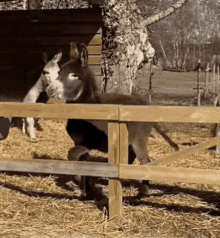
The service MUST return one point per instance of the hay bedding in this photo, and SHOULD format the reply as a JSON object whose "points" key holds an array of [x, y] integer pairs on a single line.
{"points": [[40, 205]]}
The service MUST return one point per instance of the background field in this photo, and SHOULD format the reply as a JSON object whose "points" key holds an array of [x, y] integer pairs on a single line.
{"points": [[50, 206]]}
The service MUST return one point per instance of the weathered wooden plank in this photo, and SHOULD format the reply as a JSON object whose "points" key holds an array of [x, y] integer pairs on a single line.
{"points": [[96, 69], [7, 50], [31, 58], [78, 111], [94, 49], [170, 114], [184, 114], [56, 16], [94, 59], [6, 59], [57, 29], [179, 155], [89, 39], [115, 186], [184, 175], [7, 30], [61, 167]]}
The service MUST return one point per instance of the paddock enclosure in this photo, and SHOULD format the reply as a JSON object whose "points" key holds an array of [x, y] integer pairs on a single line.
{"points": [[26, 34], [184, 199], [195, 200]]}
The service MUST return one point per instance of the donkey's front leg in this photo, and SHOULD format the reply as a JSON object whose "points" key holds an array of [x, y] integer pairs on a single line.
{"points": [[140, 147], [30, 122], [80, 153]]}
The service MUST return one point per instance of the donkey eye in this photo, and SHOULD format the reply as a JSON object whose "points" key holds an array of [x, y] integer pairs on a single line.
{"points": [[73, 76], [45, 72]]}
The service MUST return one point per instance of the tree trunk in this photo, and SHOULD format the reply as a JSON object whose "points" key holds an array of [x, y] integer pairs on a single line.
{"points": [[164, 54], [123, 21], [177, 55], [194, 54], [185, 58]]}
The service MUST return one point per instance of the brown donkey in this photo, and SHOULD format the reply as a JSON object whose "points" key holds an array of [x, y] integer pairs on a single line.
{"points": [[76, 84]]}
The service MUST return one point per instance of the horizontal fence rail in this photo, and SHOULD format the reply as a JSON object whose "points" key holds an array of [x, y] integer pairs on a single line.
{"points": [[117, 167], [60, 110], [112, 112], [167, 174], [61, 167], [170, 114]]}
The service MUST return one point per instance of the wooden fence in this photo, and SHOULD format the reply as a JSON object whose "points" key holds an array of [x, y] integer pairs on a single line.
{"points": [[118, 168], [211, 83]]}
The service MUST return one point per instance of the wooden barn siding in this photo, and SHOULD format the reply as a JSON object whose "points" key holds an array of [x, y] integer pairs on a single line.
{"points": [[25, 34]]}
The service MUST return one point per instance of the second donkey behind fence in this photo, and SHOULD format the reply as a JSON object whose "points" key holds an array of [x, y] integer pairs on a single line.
{"points": [[50, 73]]}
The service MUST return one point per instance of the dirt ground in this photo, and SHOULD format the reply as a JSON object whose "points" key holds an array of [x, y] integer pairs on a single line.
{"points": [[38, 205]]}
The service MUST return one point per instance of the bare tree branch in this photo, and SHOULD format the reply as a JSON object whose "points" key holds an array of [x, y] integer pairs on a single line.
{"points": [[161, 15]]}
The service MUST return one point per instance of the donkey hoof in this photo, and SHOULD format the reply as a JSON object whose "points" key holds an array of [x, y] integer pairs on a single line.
{"points": [[143, 191], [85, 197], [177, 148]]}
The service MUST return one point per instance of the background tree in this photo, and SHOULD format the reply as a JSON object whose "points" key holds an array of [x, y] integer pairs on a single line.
{"points": [[127, 37], [186, 34]]}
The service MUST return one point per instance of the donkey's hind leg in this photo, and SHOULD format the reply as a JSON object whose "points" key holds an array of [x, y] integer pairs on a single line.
{"points": [[30, 122]]}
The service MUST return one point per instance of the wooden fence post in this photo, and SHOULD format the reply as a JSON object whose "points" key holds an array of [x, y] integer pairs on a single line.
{"points": [[118, 154], [217, 104], [206, 86], [150, 82], [115, 187], [198, 84], [213, 79], [217, 78]]}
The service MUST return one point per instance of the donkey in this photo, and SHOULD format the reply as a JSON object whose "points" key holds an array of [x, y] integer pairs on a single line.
{"points": [[76, 84], [49, 74]]}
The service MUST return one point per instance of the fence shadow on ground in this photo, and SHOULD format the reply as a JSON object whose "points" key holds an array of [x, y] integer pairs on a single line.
{"points": [[101, 198]]}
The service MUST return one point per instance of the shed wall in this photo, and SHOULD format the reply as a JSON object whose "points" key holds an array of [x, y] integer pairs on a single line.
{"points": [[24, 35]]}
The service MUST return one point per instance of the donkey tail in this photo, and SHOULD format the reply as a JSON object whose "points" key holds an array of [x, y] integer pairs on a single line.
{"points": [[163, 134]]}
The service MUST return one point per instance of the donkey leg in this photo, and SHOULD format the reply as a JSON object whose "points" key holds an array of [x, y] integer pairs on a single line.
{"points": [[143, 190], [80, 153], [30, 121], [140, 147], [24, 125], [38, 124], [5, 124]]}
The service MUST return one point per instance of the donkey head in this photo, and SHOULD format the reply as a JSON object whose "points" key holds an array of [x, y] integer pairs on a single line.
{"points": [[75, 82], [51, 69]]}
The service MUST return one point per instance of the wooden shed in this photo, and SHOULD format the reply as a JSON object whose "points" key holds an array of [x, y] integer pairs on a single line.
{"points": [[24, 35]]}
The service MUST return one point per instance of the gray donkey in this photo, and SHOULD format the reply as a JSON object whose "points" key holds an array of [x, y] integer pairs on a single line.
{"points": [[76, 84]]}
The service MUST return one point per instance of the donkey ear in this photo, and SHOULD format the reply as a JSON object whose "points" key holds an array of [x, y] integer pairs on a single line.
{"points": [[57, 57], [83, 55], [44, 57], [74, 53]]}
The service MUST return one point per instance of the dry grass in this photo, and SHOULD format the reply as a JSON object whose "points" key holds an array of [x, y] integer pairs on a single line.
{"points": [[39, 205]]}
